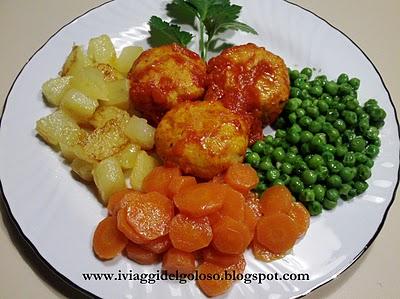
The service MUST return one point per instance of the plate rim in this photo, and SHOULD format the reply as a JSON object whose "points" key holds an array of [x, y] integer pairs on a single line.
{"points": [[85, 292]]}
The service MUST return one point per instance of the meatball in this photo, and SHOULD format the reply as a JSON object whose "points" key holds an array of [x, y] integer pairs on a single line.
{"points": [[202, 138], [163, 77], [251, 81]]}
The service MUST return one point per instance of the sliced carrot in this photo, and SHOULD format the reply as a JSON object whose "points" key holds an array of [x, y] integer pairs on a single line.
{"points": [[230, 236], [159, 178], [233, 205], [277, 232], [253, 202], [301, 217], [178, 183], [141, 255], [158, 245], [175, 260], [190, 234], [241, 177], [126, 229], [212, 287], [214, 217], [224, 260], [276, 199], [238, 267], [108, 241], [263, 254], [200, 200], [219, 178], [120, 199], [250, 219], [151, 216]]}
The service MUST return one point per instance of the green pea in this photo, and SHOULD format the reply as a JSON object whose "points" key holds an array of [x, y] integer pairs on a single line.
{"points": [[293, 104], [371, 102], [343, 78], [294, 74], [269, 139], [319, 192], [369, 163], [315, 161], [348, 135], [358, 144], [295, 92], [277, 142], [316, 90], [315, 126], [334, 166], [298, 82], [376, 142], [340, 107], [261, 176], [290, 158], [378, 124], [341, 150], [333, 135], [295, 128], [340, 125], [285, 178], [309, 177], [332, 194], [305, 149], [363, 125], [286, 168], [312, 111], [372, 151], [306, 136], [363, 172], [344, 190], [292, 117], [307, 195], [278, 182], [328, 157], [299, 167], [265, 164], [360, 158], [360, 186], [355, 83], [377, 114], [332, 115], [268, 149], [306, 103], [329, 204], [334, 181], [305, 121], [293, 149], [323, 107], [261, 187], [293, 137], [318, 143], [352, 104], [280, 133], [321, 119], [372, 133], [258, 147], [272, 174], [321, 78], [345, 89], [322, 173], [300, 113], [280, 123], [349, 159], [314, 208], [253, 159], [307, 71], [331, 88], [296, 185], [350, 117], [348, 173], [278, 154]]}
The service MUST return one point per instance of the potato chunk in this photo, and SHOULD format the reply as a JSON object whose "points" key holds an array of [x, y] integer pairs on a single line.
{"points": [[143, 165], [127, 157], [76, 61], [58, 127], [90, 81], [54, 89], [101, 49], [83, 169], [79, 106], [117, 94], [109, 178], [109, 73], [104, 114], [127, 58], [140, 132]]}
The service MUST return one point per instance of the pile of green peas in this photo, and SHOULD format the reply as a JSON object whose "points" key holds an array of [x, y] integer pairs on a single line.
{"points": [[325, 142]]}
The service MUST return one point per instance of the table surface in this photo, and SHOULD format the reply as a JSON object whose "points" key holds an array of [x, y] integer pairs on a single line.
{"points": [[373, 25]]}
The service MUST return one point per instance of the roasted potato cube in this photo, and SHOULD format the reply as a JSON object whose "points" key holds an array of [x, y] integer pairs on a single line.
{"points": [[78, 105], [83, 169], [90, 81], [109, 73], [140, 132], [117, 94], [54, 89], [76, 61], [127, 58], [58, 127], [109, 178], [127, 157], [143, 165], [104, 114], [101, 50], [67, 151]]}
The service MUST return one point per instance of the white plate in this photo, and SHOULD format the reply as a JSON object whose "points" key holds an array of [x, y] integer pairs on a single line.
{"points": [[57, 215]]}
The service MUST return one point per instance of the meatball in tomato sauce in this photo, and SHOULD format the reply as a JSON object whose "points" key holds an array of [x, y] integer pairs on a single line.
{"points": [[163, 77], [251, 81], [202, 138]]}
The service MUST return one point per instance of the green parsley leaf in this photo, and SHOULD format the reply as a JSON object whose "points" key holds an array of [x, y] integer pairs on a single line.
{"points": [[162, 33]]}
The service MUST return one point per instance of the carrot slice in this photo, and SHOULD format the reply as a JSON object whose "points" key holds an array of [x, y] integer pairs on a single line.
{"points": [[241, 177], [250, 219], [158, 245], [151, 216], [277, 232], [178, 183], [301, 217], [276, 199], [126, 229], [120, 199], [230, 236], [141, 255], [214, 217], [108, 241], [201, 199], [159, 178], [190, 234], [212, 287], [233, 205], [176, 260], [224, 260], [263, 254]]}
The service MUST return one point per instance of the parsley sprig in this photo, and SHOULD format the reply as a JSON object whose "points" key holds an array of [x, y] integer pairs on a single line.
{"points": [[213, 17]]}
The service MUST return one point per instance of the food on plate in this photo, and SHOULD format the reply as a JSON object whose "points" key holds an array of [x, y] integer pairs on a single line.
{"points": [[202, 138], [325, 143], [205, 226], [163, 77], [251, 81]]}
